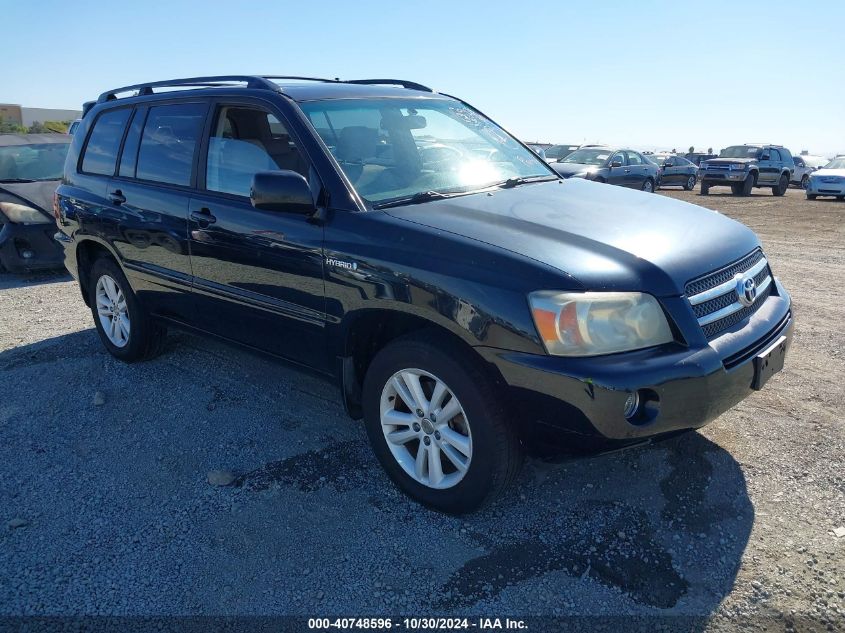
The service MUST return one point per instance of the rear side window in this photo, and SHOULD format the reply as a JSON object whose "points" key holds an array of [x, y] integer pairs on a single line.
{"points": [[104, 142], [169, 142]]}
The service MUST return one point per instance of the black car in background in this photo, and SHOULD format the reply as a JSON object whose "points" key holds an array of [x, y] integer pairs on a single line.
{"points": [[31, 166], [468, 308], [615, 166], [675, 171]]}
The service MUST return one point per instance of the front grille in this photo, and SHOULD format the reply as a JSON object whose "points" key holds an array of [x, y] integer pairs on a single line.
{"points": [[715, 300]]}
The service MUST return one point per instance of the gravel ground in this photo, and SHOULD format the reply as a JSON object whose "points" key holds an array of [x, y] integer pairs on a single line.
{"points": [[106, 505]]}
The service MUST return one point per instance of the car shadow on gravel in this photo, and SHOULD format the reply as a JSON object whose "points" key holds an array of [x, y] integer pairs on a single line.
{"points": [[9, 281]]}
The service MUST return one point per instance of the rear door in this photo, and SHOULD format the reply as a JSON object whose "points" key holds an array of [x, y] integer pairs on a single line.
{"points": [[769, 166], [258, 275], [637, 170], [150, 195]]}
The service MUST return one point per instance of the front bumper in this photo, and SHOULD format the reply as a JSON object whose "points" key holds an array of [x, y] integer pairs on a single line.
{"points": [[29, 247], [819, 188], [722, 177], [688, 387]]}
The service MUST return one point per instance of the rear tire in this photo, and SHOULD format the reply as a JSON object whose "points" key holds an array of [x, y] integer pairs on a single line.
{"points": [[112, 300], [648, 185], [690, 183], [782, 186], [482, 426]]}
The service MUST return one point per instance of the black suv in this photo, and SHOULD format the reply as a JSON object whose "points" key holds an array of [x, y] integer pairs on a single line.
{"points": [[743, 167], [469, 302]]}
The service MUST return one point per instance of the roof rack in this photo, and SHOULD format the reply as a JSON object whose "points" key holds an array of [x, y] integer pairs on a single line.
{"points": [[410, 85], [251, 81]]}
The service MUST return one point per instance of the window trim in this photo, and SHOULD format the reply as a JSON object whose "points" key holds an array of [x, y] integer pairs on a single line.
{"points": [[93, 125], [218, 103]]}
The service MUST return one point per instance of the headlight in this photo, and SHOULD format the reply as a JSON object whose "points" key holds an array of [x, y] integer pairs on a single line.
{"points": [[593, 323], [22, 214], [739, 166]]}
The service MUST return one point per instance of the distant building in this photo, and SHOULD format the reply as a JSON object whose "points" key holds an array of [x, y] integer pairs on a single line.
{"points": [[14, 113]]}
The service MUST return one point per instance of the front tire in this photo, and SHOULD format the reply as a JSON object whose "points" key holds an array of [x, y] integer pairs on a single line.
{"points": [[705, 189], [747, 185], [805, 182], [125, 329], [438, 426], [690, 183], [782, 186], [811, 196]]}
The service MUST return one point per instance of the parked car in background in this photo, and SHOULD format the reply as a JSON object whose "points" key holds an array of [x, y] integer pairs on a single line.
{"points": [[805, 165], [466, 311], [616, 166], [674, 171], [744, 167], [696, 158], [559, 152], [828, 181], [540, 150], [31, 166]]}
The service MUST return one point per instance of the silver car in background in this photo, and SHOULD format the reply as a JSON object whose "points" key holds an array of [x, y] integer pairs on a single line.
{"points": [[806, 164], [828, 181]]}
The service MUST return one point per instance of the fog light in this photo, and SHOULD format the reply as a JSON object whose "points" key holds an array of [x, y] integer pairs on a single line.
{"points": [[632, 405]]}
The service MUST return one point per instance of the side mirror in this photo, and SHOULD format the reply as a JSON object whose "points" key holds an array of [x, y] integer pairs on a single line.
{"points": [[668, 163], [282, 190], [616, 163]]}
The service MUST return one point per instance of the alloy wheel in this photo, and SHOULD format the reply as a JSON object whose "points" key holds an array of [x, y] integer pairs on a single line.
{"points": [[112, 311], [425, 428]]}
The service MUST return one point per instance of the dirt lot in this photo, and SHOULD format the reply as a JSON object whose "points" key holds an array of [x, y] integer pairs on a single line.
{"points": [[104, 466]]}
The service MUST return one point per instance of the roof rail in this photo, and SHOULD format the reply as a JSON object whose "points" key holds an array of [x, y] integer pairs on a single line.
{"points": [[251, 81], [410, 85], [294, 77]]}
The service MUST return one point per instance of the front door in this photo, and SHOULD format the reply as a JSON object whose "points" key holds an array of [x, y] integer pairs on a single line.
{"points": [[258, 275], [618, 175]]}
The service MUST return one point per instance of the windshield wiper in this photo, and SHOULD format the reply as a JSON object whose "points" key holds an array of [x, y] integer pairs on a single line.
{"points": [[421, 196], [17, 180], [514, 182]]}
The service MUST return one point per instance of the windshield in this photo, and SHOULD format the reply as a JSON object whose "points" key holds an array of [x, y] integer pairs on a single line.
{"points": [[560, 151], [739, 151], [43, 161], [815, 161], [594, 156], [391, 149], [836, 163]]}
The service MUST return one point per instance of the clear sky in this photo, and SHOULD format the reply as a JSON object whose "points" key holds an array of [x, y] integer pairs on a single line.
{"points": [[640, 73]]}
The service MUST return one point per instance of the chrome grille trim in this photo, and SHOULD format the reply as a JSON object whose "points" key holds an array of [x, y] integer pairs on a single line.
{"points": [[736, 306], [729, 285]]}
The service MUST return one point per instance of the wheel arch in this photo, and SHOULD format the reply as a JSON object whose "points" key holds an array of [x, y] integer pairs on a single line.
{"points": [[88, 251]]}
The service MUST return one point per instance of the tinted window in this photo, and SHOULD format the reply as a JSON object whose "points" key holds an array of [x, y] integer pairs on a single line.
{"points": [[634, 158], [129, 156], [168, 143], [244, 142], [104, 142], [797, 161], [774, 154]]}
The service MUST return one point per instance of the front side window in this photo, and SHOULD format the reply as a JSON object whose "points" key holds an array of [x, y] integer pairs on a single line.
{"points": [[245, 141], [104, 142], [166, 153], [27, 163], [390, 149]]}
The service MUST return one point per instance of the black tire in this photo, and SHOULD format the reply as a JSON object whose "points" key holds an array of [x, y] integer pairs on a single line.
{"points": [[811, 196], [736, 189], [496, 450], [748, 184], [805, 182], [648, 185], [689, 185], [840, 198], [705, 189], [146, 337], [782, 186]]}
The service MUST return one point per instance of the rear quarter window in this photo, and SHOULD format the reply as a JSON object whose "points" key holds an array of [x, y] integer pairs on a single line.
{"points": [[100, 155]]}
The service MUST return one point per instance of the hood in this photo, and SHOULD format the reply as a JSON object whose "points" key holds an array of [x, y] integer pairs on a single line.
{"points": [[35, 194], [606, 237], [571, 169], [727, 161], [821, 173]]}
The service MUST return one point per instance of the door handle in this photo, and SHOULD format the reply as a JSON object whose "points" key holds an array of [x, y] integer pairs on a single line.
{"points": [[203, 217], [116, 197]]}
